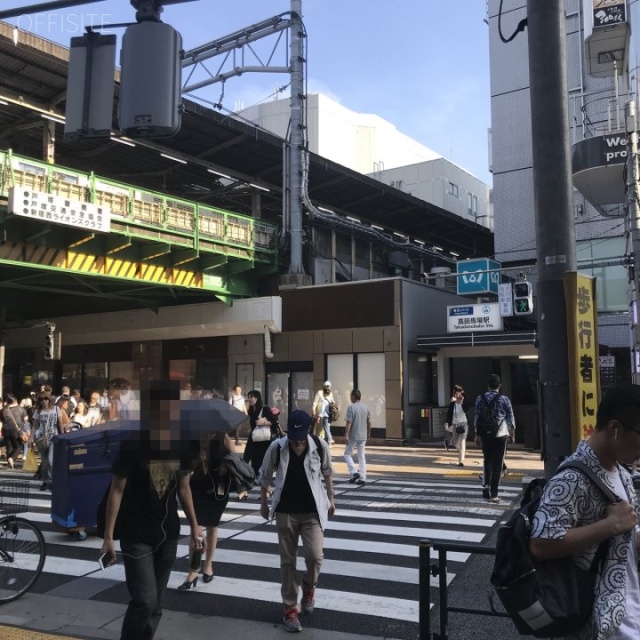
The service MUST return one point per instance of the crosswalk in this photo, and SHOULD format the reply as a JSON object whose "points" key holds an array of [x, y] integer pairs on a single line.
{"points": [[369, 581]]}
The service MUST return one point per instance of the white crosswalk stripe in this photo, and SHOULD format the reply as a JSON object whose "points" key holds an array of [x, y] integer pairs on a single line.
{"points": [[370, 568]]}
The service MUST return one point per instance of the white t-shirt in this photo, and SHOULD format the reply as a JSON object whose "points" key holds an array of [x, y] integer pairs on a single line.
{"points": [[237, 401], [458, 413], [630, 627], [48, 421], [128, 405]]}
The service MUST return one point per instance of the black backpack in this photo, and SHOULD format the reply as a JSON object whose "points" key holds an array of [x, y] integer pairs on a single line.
{"points": [[488, 422], [548, 598]]}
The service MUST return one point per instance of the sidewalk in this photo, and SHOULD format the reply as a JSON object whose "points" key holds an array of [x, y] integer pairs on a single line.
{"points": [[48, 617], [41, 617], [434, 460]]}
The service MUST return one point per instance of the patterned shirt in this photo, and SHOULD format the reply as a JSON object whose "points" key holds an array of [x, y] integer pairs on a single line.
{"points": [[503, 411], [570, 499]]}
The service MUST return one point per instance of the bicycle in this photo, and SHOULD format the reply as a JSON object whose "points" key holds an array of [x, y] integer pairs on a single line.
{"points": [[22, 546]]}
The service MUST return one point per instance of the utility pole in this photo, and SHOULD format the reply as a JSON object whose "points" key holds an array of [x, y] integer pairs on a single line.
{"points": [[633, 212], [296, 275], [555, 231]]}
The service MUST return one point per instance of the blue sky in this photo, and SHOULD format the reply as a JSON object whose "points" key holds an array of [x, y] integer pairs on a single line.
{"points": [[421, 64]]}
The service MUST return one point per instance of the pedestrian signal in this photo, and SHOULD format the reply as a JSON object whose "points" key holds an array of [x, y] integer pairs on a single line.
{"points": [[52, 349], [49, 346], [522, 298]]}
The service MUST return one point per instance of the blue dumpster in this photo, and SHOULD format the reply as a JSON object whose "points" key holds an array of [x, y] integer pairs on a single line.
{"points": [[82, 463]]}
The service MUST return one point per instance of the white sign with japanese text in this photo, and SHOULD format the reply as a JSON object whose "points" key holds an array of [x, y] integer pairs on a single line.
{"points": [[50, 208], [474, 317], [505, 299]]}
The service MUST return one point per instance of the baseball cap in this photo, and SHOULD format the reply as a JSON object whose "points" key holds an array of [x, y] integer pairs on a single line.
{"points": [[298, 425], [327, 384]]}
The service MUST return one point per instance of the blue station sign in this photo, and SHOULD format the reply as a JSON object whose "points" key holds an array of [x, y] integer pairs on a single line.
{"points": [[478, 276]]}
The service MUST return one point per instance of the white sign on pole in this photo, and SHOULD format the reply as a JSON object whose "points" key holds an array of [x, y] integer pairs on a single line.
{"points": [[505, 299], [474, 317], [607, 361], [59, 210]]}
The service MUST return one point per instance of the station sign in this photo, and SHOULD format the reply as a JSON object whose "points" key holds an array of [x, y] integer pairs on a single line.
{"points": [[47, 207], [474, 317], [478, 276]]}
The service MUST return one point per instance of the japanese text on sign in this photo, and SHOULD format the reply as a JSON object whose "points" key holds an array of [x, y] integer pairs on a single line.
{"points": [[474, 317], [583, 352], [59, 210]]}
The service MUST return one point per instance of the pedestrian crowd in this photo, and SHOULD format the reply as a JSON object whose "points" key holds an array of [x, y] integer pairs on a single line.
{"points": [[292, 468], [293, 471]]}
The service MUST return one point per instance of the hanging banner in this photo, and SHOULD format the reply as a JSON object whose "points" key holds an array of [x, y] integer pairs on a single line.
{"points": [[584, 366]]}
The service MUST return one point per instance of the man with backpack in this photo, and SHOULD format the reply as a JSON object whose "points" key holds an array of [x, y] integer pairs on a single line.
{"points": [[301, 506], [494, 425], [577, 519]]}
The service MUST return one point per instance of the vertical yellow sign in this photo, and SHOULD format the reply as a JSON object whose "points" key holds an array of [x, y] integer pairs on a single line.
{"points": [[584, 373]]}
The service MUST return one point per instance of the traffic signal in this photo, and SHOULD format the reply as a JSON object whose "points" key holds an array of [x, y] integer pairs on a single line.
{"points": [[49, 345], [522, 298]]}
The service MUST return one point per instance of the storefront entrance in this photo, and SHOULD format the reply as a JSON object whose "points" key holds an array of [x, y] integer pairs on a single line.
{"points": [[289, 389]]}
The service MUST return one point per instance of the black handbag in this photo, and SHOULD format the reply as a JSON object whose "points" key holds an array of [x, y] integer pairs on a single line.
{"points": [[460, 428]]}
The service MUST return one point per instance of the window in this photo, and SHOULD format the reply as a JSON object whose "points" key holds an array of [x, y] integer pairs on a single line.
{"points": [[96, 378], [453, 189], [473, 205], [340, 374], [367, 373], [371, 382]]}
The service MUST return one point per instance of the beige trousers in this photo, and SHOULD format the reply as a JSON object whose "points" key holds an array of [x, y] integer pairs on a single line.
{"points": [[291, 526]]}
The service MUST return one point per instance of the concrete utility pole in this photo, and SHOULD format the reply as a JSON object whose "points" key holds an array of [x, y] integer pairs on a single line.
{"points": [[555, 231], [633, 211], [296, 273]]}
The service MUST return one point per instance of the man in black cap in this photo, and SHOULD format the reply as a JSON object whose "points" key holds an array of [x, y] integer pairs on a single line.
{"points": [[494, 425], [301, 506]]}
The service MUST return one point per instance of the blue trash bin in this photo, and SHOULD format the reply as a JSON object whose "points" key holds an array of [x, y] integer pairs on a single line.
{"points": [[82, 462]]}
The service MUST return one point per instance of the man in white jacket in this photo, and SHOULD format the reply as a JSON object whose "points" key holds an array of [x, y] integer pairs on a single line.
{"points": [[301, 506]]}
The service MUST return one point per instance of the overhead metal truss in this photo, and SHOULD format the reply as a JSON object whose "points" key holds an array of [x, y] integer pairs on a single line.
{"points": [[236, 50]]}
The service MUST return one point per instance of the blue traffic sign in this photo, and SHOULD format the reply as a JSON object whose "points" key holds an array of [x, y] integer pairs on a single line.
{"points": [[478, 276]]}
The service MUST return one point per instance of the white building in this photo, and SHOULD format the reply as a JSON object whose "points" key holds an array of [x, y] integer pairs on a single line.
{"points": [[371, 145], [360, 141], [444, 184]]}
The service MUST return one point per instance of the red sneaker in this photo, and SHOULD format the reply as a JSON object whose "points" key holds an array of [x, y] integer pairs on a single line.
{"points": [[291, 622], [308, 603]]}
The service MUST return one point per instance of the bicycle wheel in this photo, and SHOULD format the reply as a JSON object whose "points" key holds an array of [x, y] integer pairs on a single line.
{"points": [[22, 555]]}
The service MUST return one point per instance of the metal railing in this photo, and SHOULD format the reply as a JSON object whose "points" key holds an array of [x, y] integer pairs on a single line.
{"points": [[142, 212], [439, 569]]}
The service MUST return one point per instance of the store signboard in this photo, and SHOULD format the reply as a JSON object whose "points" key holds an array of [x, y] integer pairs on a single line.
{"points": [[608, 12]]}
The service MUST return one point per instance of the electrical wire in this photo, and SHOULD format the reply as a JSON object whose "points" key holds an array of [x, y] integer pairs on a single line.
{"points": [[521, 26]]}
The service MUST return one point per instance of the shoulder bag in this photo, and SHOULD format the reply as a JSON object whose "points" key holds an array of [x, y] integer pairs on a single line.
{"points": [[24, 436], [261, 433]]}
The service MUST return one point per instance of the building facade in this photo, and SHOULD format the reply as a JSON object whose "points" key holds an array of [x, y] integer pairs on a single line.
{"points": [[596, 107]]}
